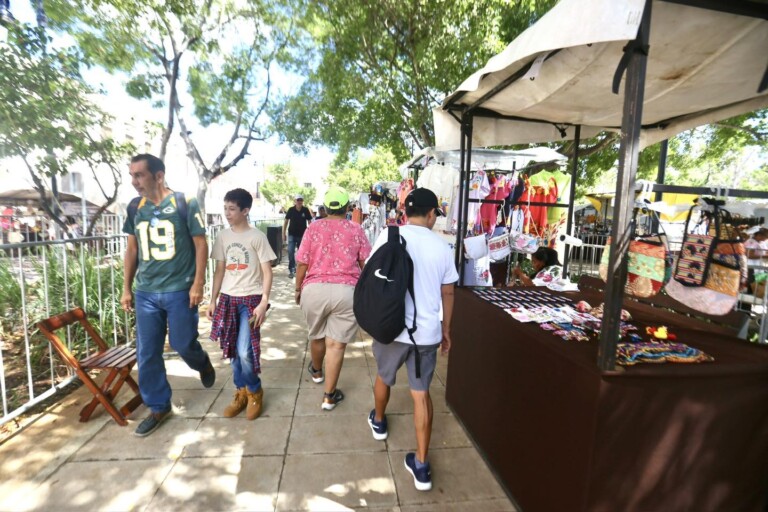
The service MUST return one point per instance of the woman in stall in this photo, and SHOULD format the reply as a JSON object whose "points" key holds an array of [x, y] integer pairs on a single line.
{"points": [[546, 268]]}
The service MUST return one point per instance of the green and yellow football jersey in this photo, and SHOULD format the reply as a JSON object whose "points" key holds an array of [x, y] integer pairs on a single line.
{"points": [[166, 251]]}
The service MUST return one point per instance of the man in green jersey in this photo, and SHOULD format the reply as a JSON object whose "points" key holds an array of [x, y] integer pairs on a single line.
{"points": [[166, 253]]}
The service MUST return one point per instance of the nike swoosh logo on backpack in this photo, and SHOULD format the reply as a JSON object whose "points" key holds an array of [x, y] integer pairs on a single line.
{"points": [[380, 276]]}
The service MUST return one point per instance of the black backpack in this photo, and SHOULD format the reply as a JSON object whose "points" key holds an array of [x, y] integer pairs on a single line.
{"points": [[380, 293]]}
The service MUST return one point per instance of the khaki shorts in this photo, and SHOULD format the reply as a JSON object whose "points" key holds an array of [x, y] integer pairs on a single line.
{"points": [[328, 310]]}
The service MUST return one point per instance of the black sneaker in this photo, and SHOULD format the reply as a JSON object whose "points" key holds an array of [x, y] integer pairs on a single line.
{"points": [[208, 375], [331, 400], [151, 423], [422, 478], [317, 375], [379, 428]]}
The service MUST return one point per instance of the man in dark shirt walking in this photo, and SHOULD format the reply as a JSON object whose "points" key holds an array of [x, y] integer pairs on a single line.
{"points": [[296, 220]]}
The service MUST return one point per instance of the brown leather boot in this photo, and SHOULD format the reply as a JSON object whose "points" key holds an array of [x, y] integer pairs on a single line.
{"points": [[254, 404], [239, 403]]}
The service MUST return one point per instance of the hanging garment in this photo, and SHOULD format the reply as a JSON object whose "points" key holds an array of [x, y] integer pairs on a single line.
{"points": [[489, 212], [479, 188]]}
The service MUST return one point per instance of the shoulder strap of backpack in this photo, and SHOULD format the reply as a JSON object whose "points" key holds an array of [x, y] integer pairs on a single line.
{"points": [[393, 235], [133, 207], [181, 207]]}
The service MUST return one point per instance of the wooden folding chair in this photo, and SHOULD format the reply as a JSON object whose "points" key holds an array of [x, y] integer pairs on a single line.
{"points": [[117, 360]]}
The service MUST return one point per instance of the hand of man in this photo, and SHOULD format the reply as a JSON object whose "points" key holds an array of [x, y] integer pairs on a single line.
{"points": [[259, 314], [125, 301], [195, 295], [445, 344]]}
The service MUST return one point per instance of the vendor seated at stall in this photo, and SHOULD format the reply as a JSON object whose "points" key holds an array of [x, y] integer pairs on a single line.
{"points": [[546, 268]]}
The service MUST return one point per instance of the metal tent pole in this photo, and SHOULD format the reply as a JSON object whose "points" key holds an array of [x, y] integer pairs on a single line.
{"points": [[467, 125], [621, 230], [569, 220], [660, 177], [460, 200]]}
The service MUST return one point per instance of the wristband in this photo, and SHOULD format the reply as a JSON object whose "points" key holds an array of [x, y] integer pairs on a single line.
{"points": [[299, 290]]}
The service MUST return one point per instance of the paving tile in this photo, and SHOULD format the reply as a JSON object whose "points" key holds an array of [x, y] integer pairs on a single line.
{"points": [[235, 437], [228, 483], [497, 505], [458, 475], [354, 355], [350, 376], [114, 442], [446, 432], [181, 376], [357, 401], [332, 433], [282, 357], [276, 377], [336, 482], [99, 485], [192, 403], [30, 456], [277, 402]]}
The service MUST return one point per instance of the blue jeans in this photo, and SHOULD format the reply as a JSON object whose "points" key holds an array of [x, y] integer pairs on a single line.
{"points": [[293, 243], [157, 314], [242, 365]]}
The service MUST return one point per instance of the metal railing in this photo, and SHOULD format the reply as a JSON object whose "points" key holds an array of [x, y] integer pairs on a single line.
{"points": [[38, 280], [43, 278]]}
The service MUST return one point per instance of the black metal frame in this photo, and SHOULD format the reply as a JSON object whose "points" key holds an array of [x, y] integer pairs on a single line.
{"points": [[635, 63]]}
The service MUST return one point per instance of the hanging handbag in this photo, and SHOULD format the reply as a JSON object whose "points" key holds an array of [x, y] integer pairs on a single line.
{"points": [[721, 271], [520, 242], [498, 245], [476, 247], [647, 263]]}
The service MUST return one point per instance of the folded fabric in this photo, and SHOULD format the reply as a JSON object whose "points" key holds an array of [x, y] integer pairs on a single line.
{"points": [[628, 354]]}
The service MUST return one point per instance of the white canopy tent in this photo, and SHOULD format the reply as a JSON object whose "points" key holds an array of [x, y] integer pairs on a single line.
{"points": [[687, 63], [703, 66]]}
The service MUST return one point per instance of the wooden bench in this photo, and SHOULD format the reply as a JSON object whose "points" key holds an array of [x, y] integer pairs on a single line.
{"points": [[118, 361], [735, 322]]}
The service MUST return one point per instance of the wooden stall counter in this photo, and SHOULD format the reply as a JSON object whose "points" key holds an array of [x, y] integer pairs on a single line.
{"points": [[564, 436]]}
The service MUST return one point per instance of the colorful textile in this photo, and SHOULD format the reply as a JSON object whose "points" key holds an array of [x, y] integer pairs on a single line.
{"points": [[489, 212], [332, 248], [693, 259], [225, 323], [628, 354]]}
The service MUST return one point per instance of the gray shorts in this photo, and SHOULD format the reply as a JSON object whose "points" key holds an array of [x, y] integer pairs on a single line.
{"points": [[389, 359]]}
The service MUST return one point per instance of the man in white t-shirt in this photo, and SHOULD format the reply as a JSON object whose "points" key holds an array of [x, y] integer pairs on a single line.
{"points": [[242, 282], [434, 276]]}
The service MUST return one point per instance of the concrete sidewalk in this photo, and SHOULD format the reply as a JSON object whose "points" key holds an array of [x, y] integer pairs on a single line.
{"points": [[294, 457]]}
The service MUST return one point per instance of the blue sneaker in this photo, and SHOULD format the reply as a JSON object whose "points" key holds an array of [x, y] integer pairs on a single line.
{"points": [[379, 428], [422, 478], [151, 423]]}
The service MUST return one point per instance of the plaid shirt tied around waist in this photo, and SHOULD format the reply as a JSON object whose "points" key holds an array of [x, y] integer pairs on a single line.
{"points": [[225, 324]]}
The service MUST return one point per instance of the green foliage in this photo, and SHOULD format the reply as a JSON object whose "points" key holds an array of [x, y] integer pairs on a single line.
{"points": [[375, 73], [48, 119], [221, 50], [361, 171], [282, 187]]}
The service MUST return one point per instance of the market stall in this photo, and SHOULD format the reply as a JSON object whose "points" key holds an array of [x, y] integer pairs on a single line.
{"points": [[562, 432]]}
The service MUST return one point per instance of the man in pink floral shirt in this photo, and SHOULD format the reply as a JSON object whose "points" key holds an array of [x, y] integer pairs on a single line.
{"points": [[332, 253]]}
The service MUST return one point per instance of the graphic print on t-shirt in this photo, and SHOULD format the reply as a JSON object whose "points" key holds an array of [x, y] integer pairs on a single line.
{"points": [[238, 258]]}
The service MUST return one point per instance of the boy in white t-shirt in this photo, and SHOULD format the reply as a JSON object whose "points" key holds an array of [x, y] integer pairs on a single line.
{"points": [[242, 282], [434, 275]]}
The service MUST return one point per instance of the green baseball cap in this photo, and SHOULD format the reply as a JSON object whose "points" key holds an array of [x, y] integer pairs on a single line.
{"points": [[335, 198]]}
